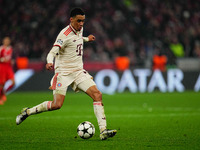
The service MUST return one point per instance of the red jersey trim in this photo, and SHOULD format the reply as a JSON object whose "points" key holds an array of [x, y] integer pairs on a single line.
{"points": [[54, 81], [58, 46], [67, 31]]}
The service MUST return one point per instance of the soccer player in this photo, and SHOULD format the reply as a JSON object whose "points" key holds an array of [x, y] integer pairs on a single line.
{"points": [[66, 55], [6, 70]]}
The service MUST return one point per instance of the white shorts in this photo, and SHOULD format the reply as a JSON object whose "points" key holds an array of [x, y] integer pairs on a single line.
{"points": [[79, 80]]}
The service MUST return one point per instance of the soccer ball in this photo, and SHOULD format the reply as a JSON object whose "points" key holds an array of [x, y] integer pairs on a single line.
{"points": [[85, 130]]}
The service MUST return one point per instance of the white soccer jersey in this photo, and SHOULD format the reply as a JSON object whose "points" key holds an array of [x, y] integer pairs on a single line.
{"points": [[69, 57]]}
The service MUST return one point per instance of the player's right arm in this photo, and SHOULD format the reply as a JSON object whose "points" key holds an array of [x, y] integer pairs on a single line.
{"points": [[58, 45], [50, 57]]}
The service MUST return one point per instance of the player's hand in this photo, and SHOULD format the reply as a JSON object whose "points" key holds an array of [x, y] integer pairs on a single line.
{"points": [[49, 66], [5, 59], [91, 38]]}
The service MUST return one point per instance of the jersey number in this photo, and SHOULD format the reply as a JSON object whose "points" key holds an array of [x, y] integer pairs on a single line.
{"points": [[79, 49]]}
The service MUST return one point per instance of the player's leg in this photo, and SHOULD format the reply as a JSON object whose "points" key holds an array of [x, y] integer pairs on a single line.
{"points": [[1, 94], [59, 92], [2, 82], [7, 86], [89, 87], [45, 106], [10, 84], [96, 95]]}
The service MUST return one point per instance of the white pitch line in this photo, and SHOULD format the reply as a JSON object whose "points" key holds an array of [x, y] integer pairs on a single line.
{"points": [[114, 116]]}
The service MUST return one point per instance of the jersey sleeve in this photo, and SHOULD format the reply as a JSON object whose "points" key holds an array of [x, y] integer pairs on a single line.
{"points": [[52, 54], [61, 41], [85, 39]]}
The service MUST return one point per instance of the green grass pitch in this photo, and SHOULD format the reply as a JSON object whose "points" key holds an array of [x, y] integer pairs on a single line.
{"points": [[143, 120]]}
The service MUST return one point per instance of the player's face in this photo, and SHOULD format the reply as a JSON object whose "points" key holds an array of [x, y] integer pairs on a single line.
{"points": [[77, 22], [6, 41]]}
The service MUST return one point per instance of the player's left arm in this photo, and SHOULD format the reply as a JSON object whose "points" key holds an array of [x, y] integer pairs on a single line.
{"points": [[90, 38]]}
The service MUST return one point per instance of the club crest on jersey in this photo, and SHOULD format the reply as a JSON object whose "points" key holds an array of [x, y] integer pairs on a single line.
{"points": [[59, 85], [60, 41]]}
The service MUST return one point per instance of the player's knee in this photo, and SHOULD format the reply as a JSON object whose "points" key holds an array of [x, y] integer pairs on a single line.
{"points": [[57, 102], [97, 96], [56, 106]]}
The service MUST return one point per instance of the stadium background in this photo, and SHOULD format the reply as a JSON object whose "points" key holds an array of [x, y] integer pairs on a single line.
{"points": [[137, 29], [133, 29]]}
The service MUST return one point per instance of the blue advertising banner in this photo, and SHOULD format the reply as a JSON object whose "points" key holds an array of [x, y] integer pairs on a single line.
{"points": [[138, 80]]}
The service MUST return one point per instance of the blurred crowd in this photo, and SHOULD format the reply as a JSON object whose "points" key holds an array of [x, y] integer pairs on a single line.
{"points": [[137, 29]]}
